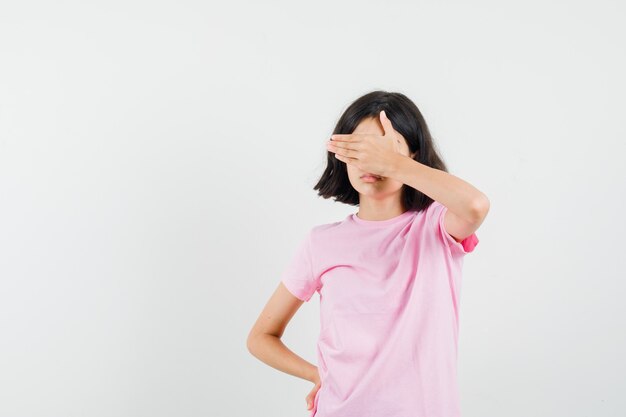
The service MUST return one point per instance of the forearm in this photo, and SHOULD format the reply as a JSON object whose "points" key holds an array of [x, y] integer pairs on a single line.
{"points": [[272, 351], [457, 195]]}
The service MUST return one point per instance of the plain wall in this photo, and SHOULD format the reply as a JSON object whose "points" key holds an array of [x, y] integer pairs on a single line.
{"points": [[157, 161]]}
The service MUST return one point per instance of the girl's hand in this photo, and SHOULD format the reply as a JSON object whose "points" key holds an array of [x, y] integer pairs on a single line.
{"points": [[310, 399], [370, 153]]}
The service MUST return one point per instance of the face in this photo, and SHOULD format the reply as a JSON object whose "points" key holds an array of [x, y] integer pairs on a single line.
{"points": [[379, 189]]}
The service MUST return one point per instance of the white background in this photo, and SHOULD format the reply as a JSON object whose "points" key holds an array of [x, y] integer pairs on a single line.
{"points": [[157, 161]]}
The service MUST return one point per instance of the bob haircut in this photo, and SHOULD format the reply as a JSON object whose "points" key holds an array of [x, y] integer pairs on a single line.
{"points": [[406, 118]]}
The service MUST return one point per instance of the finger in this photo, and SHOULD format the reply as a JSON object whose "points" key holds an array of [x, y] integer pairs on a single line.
{"points": [[352, 137], [388, 127], [384, 120], [350, 153], [310, 398], [345, 159], [332, 146]]}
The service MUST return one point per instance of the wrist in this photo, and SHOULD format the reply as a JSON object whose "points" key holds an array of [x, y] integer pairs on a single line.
{"points": [[313, 375], [398, 166]]}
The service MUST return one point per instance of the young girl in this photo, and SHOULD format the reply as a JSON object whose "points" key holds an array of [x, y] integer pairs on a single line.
{"points": [[388, 276]]}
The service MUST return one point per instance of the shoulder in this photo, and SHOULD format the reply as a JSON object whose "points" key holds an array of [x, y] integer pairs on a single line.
{"points": [[435, 205], [322, 232], [324, 228], [434, 211], [437, 218], [430, 214]]}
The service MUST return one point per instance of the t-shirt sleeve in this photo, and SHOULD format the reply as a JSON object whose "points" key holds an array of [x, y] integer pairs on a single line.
{"points": [[298, 275], [462, 248]]}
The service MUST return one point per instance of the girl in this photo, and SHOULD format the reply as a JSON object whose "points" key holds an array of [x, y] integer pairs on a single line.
{"points": [[388, 276]]}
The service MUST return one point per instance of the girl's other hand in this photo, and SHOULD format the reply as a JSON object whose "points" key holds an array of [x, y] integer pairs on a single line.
{"points": [[310, 399]]}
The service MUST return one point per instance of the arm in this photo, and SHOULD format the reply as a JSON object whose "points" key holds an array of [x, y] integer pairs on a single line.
{"points": [[264, 340], [467, 206]]}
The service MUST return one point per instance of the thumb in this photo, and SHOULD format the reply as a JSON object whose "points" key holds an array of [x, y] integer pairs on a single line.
{"points": [[311, 397], [384, 120]]}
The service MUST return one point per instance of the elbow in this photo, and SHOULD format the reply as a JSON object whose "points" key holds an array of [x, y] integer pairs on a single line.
{"points": [[480, 208], [251, 342]]}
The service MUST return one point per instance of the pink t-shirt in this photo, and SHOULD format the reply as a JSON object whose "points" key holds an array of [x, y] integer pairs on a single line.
{"points": [[389, 308]]}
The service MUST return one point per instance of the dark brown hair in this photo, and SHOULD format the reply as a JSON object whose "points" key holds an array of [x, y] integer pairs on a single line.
{"points": [[406, 118]]}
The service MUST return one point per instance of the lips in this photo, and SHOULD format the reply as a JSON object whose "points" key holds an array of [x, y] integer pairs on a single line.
{"points": [[371, 175]]}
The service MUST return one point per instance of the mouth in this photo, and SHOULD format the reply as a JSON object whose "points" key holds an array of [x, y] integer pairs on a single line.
{"points": [[370, 177]]}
